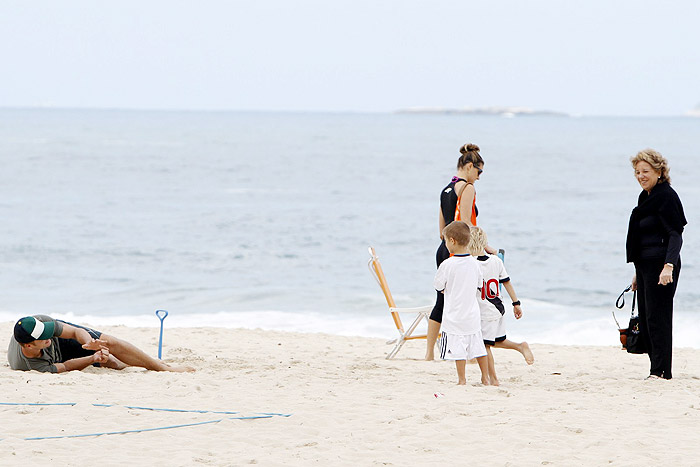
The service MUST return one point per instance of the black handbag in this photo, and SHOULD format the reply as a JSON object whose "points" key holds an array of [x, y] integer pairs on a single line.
{"points": [[630, 338]]}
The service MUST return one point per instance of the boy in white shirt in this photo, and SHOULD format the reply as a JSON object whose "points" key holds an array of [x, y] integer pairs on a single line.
{"points": [[459, 277], [493, 325]]}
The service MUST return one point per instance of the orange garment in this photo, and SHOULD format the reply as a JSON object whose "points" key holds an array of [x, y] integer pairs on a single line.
{"points": [[458, 213]]}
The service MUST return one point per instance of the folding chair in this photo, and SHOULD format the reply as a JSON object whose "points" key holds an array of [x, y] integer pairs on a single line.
{"points": [[422, 312]]}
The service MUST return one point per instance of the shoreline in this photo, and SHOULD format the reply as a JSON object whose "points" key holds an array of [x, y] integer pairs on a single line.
{"points": [[577, 405], [593, 327]]}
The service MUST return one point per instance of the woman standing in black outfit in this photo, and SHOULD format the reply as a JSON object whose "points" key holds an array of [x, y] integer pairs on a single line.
{"points": [[654, 241], [460, 191]]}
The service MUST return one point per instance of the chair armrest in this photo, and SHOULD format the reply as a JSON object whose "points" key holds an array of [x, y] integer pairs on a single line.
{"points": [[420, 309]]}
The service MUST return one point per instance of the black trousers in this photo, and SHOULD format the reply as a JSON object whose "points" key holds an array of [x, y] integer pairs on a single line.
{"points": [[656, 313]]}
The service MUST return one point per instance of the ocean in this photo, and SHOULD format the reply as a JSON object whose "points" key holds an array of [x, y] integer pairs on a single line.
{"points": [[251, 219]]}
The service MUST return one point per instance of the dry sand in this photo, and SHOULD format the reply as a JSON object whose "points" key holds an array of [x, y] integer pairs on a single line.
{"points": [[576, 405]]}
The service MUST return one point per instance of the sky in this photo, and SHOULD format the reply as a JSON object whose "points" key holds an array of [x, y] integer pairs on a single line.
{"points": [[599, 57]]}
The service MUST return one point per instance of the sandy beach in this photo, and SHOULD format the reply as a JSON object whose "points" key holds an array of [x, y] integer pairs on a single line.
{"points": [[347, 405]]}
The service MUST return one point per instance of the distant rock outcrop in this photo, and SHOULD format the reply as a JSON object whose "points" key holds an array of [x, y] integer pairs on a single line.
{"points": [[498, 111], [695, 112]]}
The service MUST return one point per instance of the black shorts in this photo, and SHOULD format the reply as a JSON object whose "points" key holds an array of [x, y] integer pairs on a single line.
{"points": [[71, 348]]}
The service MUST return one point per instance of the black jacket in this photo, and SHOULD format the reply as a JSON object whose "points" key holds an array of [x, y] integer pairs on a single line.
{"points": [[656, 226]]}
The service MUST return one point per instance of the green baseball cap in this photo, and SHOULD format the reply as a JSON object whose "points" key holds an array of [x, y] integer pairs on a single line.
{"points": [[29, 329]]}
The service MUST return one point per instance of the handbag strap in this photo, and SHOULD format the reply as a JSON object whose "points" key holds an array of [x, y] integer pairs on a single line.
{"points": [[620, 302], [621, 298]]}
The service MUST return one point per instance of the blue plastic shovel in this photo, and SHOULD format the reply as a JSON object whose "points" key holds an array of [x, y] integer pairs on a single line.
{"points": [[161, 314]]}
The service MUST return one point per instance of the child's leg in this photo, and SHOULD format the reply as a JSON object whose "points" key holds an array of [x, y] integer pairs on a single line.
{"points": [[461, 372], [521, 347], [491, 367], [484, 367]]}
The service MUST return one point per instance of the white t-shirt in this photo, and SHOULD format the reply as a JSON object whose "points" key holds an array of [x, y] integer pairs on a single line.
{"points": [[494, 273], [459, 277]]}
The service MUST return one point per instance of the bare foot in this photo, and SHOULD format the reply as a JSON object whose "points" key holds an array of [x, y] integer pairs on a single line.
{"points": [[462, 382], [494, 382], [484, 381], [527, 353], [114, 363]]}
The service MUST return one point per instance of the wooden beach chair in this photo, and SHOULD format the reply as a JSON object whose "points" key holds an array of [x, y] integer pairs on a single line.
{"points": [[421, 312]]}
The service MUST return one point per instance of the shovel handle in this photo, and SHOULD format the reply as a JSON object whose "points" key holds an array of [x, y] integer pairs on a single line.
{"points": [[161, 314]]}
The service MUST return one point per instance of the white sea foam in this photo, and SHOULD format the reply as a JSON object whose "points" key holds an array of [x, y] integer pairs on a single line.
{"points": [[543, 323]]}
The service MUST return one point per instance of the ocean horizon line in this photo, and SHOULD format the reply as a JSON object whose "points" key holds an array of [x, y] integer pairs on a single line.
{"points": [[398, 111]]}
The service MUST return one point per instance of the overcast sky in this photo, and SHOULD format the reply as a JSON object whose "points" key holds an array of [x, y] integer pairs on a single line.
{"points": [[599, 57]]}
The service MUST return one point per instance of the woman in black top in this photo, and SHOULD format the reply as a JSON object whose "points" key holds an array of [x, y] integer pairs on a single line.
{"points": [[460, 191], [654, 240]]}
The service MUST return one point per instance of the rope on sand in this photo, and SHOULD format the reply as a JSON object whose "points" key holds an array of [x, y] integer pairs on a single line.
{"points": [[42, 404], [252, 417]]}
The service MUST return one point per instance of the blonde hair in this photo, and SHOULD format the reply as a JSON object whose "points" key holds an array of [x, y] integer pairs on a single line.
{"points": [[477, 241], [655, 160], [458, 231]]}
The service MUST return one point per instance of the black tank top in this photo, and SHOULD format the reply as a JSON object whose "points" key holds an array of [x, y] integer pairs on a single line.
{"points": [[448, 201]]}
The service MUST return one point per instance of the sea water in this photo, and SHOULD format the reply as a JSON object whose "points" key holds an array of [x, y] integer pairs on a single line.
{"points": [[264, 219]]}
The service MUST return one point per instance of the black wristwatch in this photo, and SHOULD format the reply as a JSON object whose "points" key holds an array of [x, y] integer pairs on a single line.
{"points": [[516, 303]]}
